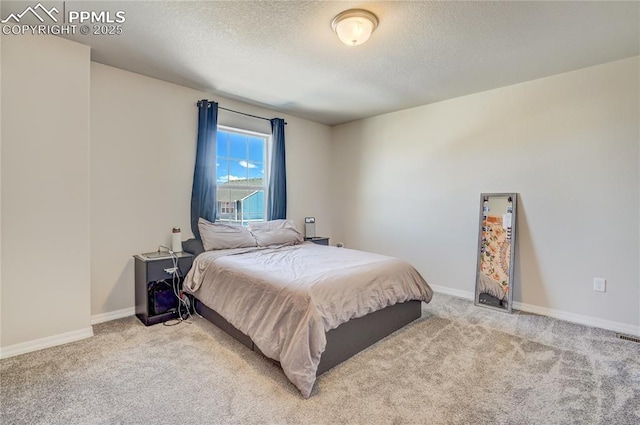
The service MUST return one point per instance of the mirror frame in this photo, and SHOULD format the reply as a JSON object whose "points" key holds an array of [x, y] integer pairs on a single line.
{"points": [[512, 249]]}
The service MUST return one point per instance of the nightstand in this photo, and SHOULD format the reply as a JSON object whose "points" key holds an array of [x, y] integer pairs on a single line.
{"points": [[155, 300], [319, 240]]}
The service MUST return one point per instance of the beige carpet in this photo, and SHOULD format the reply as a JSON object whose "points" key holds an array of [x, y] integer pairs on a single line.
{"points": [[459, 364]]}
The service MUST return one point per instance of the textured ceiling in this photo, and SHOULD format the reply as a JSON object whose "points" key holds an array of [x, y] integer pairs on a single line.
{"points": [[283, 55]]}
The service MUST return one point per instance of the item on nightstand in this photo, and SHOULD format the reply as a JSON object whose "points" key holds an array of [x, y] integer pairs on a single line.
{"points": [[309, 227], [176, 240]]}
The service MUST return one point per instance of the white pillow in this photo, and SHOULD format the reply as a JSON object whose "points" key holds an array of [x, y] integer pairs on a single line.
{"points": [[224, 236], [275, 232], [271, 225]]}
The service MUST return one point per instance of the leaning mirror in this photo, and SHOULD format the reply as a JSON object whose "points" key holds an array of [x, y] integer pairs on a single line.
{"points": [[496, 251]]}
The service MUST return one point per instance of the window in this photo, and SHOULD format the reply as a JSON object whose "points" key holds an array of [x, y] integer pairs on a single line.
{"points": [[241, 175], [227, 207]]}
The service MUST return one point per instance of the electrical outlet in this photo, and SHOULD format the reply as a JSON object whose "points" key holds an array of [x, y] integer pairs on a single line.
{"points": [[599, 284]]}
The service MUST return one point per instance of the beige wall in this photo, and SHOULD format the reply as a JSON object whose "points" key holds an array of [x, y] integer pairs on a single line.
{"points": [[408, 184], [0, 194], [45, 192], [143, 135], [568, 144], [67, 251]]}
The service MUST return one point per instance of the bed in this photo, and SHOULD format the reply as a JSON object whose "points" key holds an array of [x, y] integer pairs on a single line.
{"points": [[306, 306]]}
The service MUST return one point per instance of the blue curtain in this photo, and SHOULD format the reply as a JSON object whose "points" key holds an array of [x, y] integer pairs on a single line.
{"points": [[277, 196], [203, 191]]}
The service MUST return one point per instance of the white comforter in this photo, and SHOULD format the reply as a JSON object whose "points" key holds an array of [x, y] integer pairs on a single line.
{"points": [[286, 298]]}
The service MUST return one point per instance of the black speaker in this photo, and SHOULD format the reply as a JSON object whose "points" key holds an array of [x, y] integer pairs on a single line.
{"points": [[161, 297]]}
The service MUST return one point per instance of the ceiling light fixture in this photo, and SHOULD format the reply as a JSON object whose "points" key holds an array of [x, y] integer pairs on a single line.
{"points": [[354, 26]]}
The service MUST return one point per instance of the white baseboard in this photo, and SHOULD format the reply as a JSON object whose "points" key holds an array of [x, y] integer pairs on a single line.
{"points": [[112, 315], [455, 292], [550, 312], [578, 318], [50, 341]]}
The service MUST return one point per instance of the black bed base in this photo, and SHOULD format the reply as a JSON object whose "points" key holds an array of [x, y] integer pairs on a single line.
{"points": [[344, 341]]}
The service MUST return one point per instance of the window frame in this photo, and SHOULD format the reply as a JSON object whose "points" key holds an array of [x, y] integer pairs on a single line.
{"points": [[267, 167]]}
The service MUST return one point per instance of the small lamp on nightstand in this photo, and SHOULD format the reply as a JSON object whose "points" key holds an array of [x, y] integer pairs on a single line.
{"points": [[309, 227]]}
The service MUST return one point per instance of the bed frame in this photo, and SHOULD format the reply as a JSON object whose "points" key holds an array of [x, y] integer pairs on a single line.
{"points": [[344, 341]]}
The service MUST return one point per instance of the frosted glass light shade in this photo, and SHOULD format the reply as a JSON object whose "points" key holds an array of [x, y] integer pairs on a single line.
{"points": [[354, 26]]}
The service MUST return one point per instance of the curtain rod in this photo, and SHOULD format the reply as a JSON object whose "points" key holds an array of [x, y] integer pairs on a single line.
{"points": [[243, 113]]}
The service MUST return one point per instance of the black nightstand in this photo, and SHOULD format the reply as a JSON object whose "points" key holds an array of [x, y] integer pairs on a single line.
{"points": [[155, 300], [319, 240]]}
